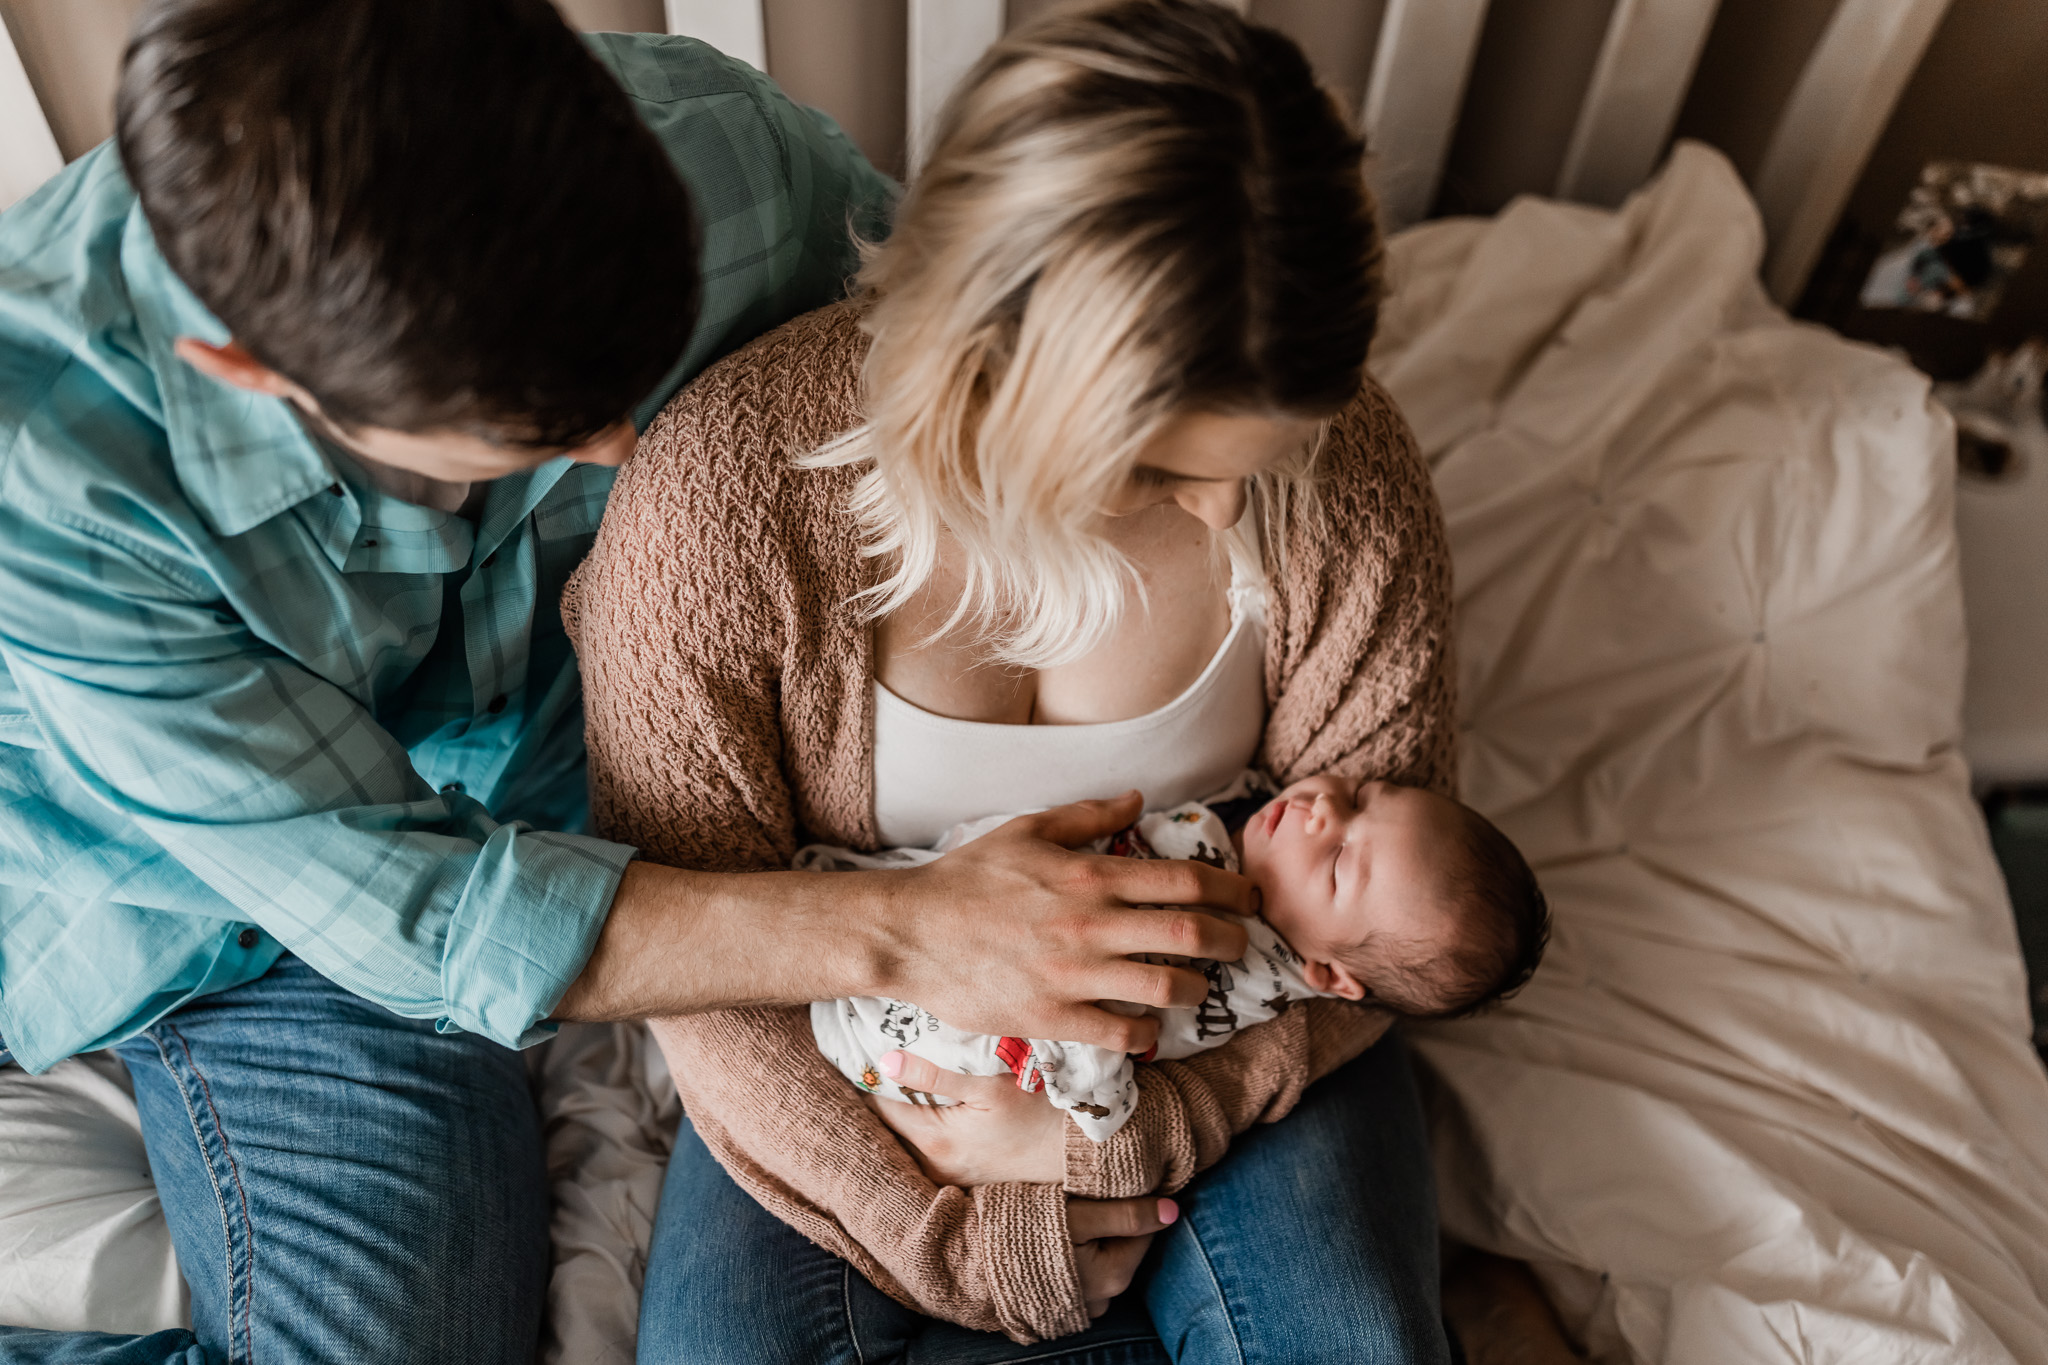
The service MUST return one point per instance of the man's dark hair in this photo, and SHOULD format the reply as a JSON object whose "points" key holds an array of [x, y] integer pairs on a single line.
{"points": [[1491, 884], [430, 214]]}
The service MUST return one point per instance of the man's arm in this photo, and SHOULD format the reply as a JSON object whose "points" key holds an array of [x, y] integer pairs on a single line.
{"points": [[192, 736], [679, 942]]}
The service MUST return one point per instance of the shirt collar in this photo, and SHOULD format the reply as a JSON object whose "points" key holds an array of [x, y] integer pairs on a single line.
{"points": [[241, 457]]}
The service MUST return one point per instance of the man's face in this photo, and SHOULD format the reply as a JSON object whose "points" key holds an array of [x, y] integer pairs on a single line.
{"points": [[449, 457], [458, 457]]}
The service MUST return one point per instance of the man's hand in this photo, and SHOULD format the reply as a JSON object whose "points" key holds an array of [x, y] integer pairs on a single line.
{"points": [[1013, 934], [1016, 934]]}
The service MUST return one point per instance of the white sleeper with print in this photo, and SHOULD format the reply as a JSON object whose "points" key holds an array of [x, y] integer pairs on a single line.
{"points": [[1097, 1087]]}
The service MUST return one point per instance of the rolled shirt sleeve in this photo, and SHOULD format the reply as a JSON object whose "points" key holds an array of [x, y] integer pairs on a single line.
{"points": [[280, 793]]}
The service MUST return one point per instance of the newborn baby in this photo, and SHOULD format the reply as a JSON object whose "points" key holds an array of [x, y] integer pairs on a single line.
{"points": [[1384, 894]]}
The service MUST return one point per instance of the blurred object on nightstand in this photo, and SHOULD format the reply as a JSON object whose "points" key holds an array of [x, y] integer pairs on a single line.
{"points": [[2002, 531]]}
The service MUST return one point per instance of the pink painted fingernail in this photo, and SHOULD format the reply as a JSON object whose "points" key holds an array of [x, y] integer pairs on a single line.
{"points": [[892, 1064], [1168, 1211]]}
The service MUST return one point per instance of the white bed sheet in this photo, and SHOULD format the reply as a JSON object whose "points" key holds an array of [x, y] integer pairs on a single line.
{"points": [[1771, 1098]]}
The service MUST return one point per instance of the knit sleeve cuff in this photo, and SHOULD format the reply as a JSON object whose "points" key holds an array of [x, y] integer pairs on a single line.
{"points": [[1153, 1153], [1028, 1261]]}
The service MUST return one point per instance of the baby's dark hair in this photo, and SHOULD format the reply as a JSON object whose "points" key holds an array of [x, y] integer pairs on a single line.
{"points": [[1507, 923]]}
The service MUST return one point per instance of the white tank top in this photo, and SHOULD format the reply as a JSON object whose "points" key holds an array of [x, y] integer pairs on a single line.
{"points": [[933, 772]]}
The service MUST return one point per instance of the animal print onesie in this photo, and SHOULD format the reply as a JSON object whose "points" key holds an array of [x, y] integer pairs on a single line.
{"points": [[1096, 1086]]}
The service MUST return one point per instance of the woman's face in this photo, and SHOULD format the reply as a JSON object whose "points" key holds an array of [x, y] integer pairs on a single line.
{"points": [[1200, 460]]}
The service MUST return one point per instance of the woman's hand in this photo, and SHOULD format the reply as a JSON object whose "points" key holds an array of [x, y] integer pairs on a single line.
{"points": [[1110, 1238], [995, 1134], [998, 1133]]}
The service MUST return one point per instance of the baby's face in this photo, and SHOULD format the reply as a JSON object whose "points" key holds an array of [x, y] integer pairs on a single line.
{"points": [[1336, 863]]}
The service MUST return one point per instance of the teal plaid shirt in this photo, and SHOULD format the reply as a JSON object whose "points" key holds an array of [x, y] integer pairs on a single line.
{"points": [[249, 704]]}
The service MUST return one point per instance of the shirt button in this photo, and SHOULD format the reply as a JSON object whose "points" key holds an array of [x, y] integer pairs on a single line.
{"points": [[490, 559], [452, 788], [497, 704], [335, 489], [369, 545], [248, 938]]}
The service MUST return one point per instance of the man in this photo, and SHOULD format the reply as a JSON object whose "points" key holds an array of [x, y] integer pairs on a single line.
{"points": [[311, 392]]}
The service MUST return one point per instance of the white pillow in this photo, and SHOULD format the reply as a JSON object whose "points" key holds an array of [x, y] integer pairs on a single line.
{"points": [[83, 1243]]}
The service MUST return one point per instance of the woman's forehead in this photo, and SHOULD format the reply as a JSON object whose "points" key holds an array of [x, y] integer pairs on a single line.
{"points": [[1224, 445]]}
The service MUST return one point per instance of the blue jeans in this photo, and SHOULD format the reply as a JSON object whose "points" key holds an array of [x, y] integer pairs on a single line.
{"points": [[1314, 1240], [341, 1184]]}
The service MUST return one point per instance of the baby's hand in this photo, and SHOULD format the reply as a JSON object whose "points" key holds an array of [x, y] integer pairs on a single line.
{"points": [[996, 1133]]}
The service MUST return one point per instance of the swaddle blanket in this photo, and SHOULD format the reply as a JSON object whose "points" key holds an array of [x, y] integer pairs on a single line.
{"points": [[1096, 1086]]}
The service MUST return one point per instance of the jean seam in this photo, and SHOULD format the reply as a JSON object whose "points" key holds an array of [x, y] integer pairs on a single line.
{"points": [[1222, 1300], [227, 1245], [220, 1197], [846, 1299]]}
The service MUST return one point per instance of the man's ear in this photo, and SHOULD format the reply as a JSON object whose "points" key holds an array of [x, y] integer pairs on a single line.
{"points": [[1333, 978], [235, 367]]}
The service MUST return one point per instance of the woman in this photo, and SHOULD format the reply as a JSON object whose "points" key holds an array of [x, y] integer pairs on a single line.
{"points": [[1085, 491]]}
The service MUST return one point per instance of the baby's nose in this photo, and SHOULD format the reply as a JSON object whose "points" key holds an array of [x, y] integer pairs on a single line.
{"points": [[1318, 811]]}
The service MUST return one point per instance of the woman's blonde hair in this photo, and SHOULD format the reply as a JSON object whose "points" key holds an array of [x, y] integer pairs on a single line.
{"points": [[1132, 210]]}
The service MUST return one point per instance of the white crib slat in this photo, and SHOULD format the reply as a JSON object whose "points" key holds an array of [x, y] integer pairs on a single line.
{"points": [[28, 153], [1418, 80], [734, 27], [1837, 111], [947, 37], [1639, 81]]}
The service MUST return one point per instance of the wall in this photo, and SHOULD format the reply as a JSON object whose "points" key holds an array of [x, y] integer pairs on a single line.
{"points": [[72, 51], [847, 58]]}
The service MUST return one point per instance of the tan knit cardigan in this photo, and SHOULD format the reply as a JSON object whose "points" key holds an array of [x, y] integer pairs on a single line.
{"points": [[729, 694]]}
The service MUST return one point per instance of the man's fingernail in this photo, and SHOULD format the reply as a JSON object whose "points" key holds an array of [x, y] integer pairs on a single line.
{"points": [[1168, 1211], [892, 1064]]}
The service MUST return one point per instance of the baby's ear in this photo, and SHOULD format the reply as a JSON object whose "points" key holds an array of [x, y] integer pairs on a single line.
{"points": [[1333, 978]]}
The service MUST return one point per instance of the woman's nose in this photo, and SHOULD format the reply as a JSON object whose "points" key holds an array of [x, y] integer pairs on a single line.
{"points": [[1218, 505]]}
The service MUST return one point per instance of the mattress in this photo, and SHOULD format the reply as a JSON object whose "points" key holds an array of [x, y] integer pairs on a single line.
{"points": [[1771, 1096]]}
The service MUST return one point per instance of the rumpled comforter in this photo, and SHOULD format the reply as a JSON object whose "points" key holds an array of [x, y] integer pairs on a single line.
{"points": [[1771, 1097]]}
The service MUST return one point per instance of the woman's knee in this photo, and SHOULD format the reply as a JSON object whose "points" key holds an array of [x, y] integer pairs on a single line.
{"points": [[729, 1282], [1315, 1239]]}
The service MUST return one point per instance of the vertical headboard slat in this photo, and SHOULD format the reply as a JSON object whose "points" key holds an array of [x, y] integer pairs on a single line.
{"points": [[1639, 81], [946, 38], [1830, 125], [1418, 80], [734, 27], [28, 152]]}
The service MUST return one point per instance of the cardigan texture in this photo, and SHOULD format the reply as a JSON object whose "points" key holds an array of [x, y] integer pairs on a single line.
{"points": [[729, 690]]}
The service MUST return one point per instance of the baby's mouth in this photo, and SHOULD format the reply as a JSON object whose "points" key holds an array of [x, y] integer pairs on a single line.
{"points": [[1275, 813]]}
